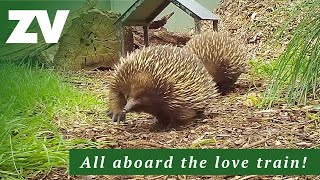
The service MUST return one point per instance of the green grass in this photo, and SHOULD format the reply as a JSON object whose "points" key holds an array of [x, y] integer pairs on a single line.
{"points": [[297, 74], [30, 99]]}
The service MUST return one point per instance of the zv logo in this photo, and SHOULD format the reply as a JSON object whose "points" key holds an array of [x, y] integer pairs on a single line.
{"points": [[25, 17]]}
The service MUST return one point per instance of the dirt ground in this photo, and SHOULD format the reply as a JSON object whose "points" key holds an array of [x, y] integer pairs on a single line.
{"points": [[232, 123]]}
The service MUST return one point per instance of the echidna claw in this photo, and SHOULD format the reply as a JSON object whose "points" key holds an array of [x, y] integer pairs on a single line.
{"points": [[109, 113], [116, 117], [119, 117], [122, 117]]}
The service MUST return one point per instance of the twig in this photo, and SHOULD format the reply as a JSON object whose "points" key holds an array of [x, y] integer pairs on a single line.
{"points": [[183, 177], [161, 22], [247, 177], [158, 177], [258, 142], [243, 178]]}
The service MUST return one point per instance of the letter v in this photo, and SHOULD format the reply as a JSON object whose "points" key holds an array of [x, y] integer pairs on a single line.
{"points": [[52, 35]]}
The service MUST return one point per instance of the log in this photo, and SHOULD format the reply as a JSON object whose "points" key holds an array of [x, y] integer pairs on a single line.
{"points": [[160, 36], [90, 42], [160, 23]]}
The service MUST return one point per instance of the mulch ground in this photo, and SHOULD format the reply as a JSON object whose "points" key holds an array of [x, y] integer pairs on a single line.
{"points": [[232, 123]]}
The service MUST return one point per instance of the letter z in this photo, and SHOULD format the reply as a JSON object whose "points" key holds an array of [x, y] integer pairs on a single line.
{"points": [[19, 34]]}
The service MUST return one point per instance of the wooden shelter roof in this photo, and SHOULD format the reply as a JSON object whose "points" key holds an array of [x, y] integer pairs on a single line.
{"points": [[142, 12]]}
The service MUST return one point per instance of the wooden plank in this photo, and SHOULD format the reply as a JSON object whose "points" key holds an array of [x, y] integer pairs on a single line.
{"points": [[120, 39], [197, 25], [215, 25], [136, 23], [146, 35]]}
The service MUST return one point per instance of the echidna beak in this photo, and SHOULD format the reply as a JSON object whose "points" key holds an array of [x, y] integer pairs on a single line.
{"points": [[130, 104]]}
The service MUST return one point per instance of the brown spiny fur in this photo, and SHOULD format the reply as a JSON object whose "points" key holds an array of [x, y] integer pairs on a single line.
{"points": [[164, 81], [222, 56]]}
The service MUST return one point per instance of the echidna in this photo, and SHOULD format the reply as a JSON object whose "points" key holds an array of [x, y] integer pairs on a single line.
{"points": [[164, 81], [222, 56]]}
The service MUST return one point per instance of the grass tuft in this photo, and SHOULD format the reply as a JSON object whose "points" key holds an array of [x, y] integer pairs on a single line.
{"points": [[30, 98], [297, 73]]}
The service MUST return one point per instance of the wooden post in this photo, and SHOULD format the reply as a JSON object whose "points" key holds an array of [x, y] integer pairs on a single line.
{"points": [[215, 25], [197, 25], [146, 35], [120, 38]]}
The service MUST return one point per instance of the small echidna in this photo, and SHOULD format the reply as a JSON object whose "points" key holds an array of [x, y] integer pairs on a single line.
{"points": [[222, 56], [164, 81]]}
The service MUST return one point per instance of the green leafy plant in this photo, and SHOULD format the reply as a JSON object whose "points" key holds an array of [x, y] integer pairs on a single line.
{"points": [[261, 68]]}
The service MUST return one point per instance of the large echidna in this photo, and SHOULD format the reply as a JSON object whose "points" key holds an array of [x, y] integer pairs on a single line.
{"points": [[164, 81], [223, 57]]}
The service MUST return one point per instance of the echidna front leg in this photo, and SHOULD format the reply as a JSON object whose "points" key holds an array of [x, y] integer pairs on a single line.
{"points": [[116, 104], [116, 117]]}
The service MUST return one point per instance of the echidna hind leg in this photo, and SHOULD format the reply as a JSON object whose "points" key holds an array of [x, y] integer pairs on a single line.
{"points": [[169, 122], [162, 122], [156, 126], [199, 114], [228, 84], [162, 126], [225, 87]]}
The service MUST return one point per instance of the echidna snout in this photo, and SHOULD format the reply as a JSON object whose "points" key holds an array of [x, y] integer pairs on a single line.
{"points": [[131, 103], [137, 105]]}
